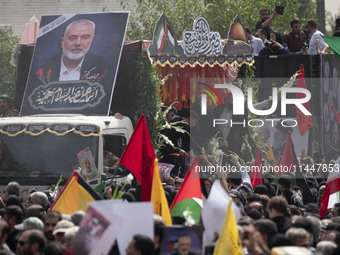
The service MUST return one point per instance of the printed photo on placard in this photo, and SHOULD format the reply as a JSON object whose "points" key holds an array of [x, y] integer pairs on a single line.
{"points": [[92, 227], [182, 240], [87, 169], [74, 64]]}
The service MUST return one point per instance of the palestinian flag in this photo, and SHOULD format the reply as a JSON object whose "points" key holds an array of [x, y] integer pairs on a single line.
{"points": [[331, 194], [164, 34], [188, 202], [74, 196]]}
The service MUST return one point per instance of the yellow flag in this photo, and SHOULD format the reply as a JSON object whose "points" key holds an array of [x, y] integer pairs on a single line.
{"points": [[74, 197], [271, 154], [229, 241], [160, 203]]}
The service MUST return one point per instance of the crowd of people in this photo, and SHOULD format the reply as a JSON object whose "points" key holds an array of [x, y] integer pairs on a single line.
{"points": [[268, 41], [280, 212]]}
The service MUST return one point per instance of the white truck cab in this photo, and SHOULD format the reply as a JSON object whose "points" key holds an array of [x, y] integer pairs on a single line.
{"points": [[36, 150]]}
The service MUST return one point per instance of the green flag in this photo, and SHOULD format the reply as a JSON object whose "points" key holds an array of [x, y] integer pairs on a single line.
{"points": [[333, 42]]}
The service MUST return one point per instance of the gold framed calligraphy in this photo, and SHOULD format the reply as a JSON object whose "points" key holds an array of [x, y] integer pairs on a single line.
{"points": [[200, 46]]}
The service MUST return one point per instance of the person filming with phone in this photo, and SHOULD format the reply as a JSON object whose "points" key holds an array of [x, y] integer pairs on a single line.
{"points": [[274, 46]]}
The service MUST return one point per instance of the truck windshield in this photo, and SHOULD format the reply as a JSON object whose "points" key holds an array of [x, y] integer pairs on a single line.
{"points": [[35, 159]]}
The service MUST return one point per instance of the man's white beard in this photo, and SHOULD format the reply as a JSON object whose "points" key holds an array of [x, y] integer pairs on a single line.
{"points": [[74, 56]]}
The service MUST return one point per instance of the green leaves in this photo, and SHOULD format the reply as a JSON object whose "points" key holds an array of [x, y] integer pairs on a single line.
{"points": [[7, 72], [218, 13]]}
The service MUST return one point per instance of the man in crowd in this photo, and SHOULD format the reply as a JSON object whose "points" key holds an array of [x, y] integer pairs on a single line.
{"points": [[334, 211], [60, 229], [12, 188], [280, 139], [38, 198], [6, 107], [260, 33], [317, 45], [267, 228], [295, 39], [255, 43], [50, 221], [266, 21], [13, 215], [298, 237], [140, 245], [277, 208], [291, 196], [75, 62], [4, 231], [31, 242]]}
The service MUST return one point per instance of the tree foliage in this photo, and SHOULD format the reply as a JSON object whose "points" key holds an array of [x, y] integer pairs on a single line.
{"points": [[330, 22], [219, 14], [145, 14], [7, 72]]}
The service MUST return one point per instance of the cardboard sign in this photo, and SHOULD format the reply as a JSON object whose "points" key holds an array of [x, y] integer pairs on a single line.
{"points": [[111, 221]]}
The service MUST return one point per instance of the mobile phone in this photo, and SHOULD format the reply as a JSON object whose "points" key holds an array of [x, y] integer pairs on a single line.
{"points": [[279, 9]]}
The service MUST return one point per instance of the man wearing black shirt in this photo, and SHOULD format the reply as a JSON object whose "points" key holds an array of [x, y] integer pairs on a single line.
{"points": [[277, 208], [266, 21]]}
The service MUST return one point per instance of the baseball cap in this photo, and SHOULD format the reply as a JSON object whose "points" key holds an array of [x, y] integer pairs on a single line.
{"points": [[77, 216], [179, 180], [62, 226], [31, 223], [7, 97]]}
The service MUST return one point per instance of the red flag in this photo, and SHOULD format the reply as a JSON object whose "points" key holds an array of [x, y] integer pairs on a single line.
{"points": [[287, 161], [139, 157], [332, 186], [256, 171], [304, 121], [336, 114]]}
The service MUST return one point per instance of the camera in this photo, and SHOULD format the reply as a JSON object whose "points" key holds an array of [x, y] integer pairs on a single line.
{"points": [[269, 43]]}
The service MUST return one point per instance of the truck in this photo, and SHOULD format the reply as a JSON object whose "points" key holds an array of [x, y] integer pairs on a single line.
{"points": [[36, 150]]}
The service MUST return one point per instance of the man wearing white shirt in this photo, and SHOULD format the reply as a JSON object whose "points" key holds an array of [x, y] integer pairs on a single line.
{"points": [[75, 62], [255, 43], [317, 45]]}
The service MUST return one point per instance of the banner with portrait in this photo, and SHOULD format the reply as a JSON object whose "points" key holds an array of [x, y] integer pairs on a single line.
{"points": [[330, 96], [75, 64], [182, 240]]}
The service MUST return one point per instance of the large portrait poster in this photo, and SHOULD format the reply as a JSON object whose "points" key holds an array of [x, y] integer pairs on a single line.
{"points": [[74, 64], [330, 96]]}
